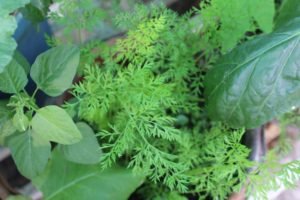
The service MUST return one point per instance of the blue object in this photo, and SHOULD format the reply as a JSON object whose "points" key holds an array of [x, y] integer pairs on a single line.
{"points": [[31, 39], [31, 42]]}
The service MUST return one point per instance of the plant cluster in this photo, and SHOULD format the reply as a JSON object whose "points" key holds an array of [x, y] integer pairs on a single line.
{"points": [[133, 98], [138, 120]]}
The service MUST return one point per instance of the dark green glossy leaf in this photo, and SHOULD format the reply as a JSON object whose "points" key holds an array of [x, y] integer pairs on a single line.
{"points": [[52, 123], [13, 78], [32, 13], [289, 10], [86, 151], [36, 11], [258, 80], [54, 70], [30, 155], [66, 180], [42, 5]]}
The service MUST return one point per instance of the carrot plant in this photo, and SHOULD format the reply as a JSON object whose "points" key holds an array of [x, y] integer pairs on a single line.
{"points": [[162, 114]]}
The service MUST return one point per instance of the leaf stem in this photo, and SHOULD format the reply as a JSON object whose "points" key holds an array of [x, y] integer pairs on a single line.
{"points": [[34, 93]]}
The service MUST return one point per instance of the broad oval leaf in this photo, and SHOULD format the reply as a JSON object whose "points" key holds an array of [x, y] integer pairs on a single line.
{"points": [[86, 151], [6, 129], [6, 7], [7, 48], [19, 58], [30, 155], [13, 78], [4, 111], [52, 123], [77, 182], [258, 80], [54, 70], [6, 125], [8, 26]]}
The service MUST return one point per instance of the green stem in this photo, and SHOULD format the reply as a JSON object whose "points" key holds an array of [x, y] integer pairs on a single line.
{"points": [[19, 95], [34, 93]]}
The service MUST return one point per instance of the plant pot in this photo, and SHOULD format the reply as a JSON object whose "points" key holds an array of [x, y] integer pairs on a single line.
{"points": [[254, 139]]}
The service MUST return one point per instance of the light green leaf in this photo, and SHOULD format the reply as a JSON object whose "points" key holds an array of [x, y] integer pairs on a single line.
{"points": [[7, 7], [20, 121], [6, 129], [227, 22], [13, 78], [86, 151], [289, 10], [258, 80], [54, 70], [52, 123], [263, 15], [19, 58], [30, 156], [7, 43], [6, 126], [8, 26], [77, 182], [4, 111]]}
